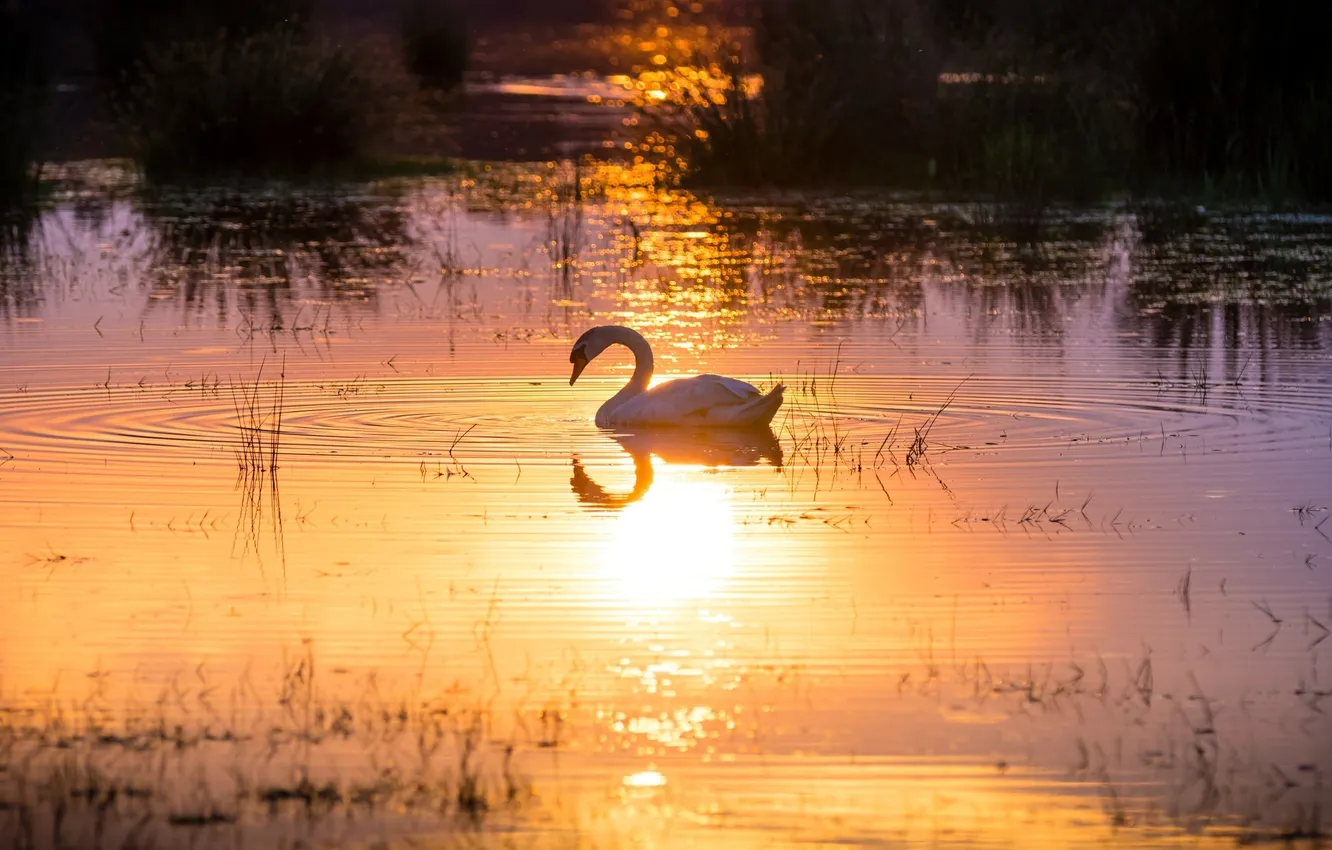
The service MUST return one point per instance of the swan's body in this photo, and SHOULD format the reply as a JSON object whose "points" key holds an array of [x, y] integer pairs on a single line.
{"points": [[710, 401]]}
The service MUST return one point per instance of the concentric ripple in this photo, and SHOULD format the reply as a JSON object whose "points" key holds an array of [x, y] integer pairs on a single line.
{"points": [[501, 420]]}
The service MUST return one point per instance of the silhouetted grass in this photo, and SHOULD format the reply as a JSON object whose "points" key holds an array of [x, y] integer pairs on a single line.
{"points": [[435, 42], [275, 102], [856, 93], [124, 34], [1024, 103], [1232, 97], [838, 81], [142, 777]]}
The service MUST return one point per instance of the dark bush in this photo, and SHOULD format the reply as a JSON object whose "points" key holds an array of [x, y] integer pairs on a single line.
{"points": [[1029, 100], [842, 85], [273, 103], [123, 32], [436, 44], [1235, 93]]}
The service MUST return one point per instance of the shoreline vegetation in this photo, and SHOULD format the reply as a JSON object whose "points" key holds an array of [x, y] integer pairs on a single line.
{"points": [[1025, 102], [225, 90], [1019, 103]]}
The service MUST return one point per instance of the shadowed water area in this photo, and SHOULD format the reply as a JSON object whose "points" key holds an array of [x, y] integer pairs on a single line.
{"points": [[305, 536]]}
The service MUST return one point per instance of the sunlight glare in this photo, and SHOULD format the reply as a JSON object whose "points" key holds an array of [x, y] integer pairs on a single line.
{"points": [[674, 545], [645, 779]]}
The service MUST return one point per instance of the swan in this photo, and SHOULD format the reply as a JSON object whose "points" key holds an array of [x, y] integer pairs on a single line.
{"points": [[704, 400]]}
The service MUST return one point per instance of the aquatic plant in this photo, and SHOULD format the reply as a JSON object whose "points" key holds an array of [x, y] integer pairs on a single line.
{"points": [[858, 93], [436, 43], [259, 423], [85, 774], [276, 102], [564, 223]]}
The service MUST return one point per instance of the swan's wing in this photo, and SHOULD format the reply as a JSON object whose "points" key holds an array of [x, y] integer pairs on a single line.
{"points": [[679, 400], [744, 391]]}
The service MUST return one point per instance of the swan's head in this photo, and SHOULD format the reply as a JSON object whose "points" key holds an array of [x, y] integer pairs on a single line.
{"points": [[585, 350]]}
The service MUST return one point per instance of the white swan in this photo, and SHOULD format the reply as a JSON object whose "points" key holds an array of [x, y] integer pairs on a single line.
{"points": [[704, 400]]}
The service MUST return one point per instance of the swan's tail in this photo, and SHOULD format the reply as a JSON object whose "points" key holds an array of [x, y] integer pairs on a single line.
{"points": [[771, 402], [757, 413]]}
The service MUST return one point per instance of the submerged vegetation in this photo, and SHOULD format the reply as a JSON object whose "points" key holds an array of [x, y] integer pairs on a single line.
{"points": [[95, 774]]}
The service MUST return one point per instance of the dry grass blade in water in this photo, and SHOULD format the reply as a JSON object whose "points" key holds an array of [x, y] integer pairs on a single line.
{"points": [[920, 445], [259, 421]]}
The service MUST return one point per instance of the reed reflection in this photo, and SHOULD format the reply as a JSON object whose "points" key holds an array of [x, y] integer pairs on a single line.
{"points": [[262, 253], [19, 289]]}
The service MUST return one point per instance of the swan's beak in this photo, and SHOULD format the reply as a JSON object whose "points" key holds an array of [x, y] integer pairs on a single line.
{"points": [[579, 363]]}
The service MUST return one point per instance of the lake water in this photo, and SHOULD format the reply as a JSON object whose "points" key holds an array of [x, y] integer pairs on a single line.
{"points": [[305, 536]]}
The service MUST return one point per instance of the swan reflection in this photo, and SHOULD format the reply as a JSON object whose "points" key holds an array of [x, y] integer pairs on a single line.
{"points": [[673, 538], [680, 447]]}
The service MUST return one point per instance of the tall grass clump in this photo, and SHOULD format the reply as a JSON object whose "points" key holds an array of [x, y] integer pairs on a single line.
{"points": [[1025, 121], [911, 95], [1025, 101], [436, 43], [274, 103], [124, 33], [841, 83], [1234, 96], [23, 99]]}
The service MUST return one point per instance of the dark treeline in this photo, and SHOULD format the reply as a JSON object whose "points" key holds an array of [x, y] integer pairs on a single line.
{"points": [[75, 21], [1209, 87], [213, 87], [239, 87], [1026, 101], [1072, 98]]}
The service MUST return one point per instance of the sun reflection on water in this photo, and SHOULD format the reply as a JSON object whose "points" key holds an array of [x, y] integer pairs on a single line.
{"points": [[670, 559], [675, 545], [645, 779]]}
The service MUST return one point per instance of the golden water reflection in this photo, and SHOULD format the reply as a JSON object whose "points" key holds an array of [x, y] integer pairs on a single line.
{"points": [[674, 536], [676, 544], [460, 550], [669, 558]]}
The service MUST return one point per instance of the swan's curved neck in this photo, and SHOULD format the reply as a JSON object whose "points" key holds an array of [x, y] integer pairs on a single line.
{"points": [[643, 364]]}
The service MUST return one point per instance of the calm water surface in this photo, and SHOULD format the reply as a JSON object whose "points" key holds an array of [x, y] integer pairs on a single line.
{"points": [[305, 537]]}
